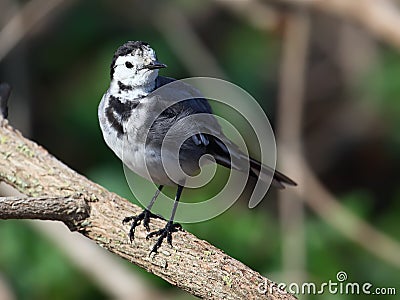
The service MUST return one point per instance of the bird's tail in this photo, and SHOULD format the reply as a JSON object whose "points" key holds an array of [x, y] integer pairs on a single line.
{"points": [[279, 180], [218, 149]]}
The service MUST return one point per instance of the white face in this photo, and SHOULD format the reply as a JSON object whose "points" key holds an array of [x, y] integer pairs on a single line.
{"points": [[137, 66]]}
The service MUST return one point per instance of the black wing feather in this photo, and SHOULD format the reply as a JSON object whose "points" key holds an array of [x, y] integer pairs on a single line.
{"points": [[218, 145]]}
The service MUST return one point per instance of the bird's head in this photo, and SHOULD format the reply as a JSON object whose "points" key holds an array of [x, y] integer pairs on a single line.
{"points": [[137, 62]]}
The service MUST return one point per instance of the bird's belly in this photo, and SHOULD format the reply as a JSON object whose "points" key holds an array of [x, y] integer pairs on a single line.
{"points": [[142, 160], [146, 163]]}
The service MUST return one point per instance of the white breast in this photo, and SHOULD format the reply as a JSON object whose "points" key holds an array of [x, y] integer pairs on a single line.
{"points": [[130, 148]]}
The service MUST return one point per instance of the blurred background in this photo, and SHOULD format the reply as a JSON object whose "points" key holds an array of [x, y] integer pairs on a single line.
{"points": [[328, 77]]}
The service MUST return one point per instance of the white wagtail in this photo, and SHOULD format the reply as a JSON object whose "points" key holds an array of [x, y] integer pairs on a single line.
{"points": [[134, 124]]}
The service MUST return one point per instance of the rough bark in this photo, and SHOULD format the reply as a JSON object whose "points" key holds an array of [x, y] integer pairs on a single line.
{"points": [[70, 210], [192, 264]]}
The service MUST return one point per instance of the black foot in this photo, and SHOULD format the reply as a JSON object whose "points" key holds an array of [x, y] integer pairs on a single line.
{"points": [[166, 232], [137, 220]]}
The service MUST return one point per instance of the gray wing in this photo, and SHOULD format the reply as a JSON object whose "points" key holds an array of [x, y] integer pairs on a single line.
{"points": [[189, 102], [208, 137], [198, 103]]}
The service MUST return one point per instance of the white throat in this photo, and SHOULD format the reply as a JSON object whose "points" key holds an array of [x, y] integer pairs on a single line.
{"points": [[128, 88]]}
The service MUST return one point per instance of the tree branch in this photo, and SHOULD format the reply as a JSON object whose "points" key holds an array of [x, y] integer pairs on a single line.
{"points": [[69, 210], [192, 264], [84, 254]]}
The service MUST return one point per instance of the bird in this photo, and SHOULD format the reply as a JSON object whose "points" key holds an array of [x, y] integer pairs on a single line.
{"points": [[134, 123]]}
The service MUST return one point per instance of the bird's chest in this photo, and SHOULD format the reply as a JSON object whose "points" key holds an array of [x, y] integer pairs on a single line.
{"points": [[126, 136], [123, 130]]}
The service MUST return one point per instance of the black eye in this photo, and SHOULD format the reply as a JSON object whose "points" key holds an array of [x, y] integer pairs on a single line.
{"points": [[128, 65]]}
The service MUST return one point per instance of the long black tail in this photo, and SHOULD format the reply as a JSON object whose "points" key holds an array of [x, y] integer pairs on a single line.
{"points": [[279, 180], [220, 152]]}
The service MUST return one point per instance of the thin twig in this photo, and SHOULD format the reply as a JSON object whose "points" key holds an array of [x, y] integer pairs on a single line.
{"points": [[350, 225], [183, 40], [290, 107], [256, 13], [68, 209], [380, 17], [24, 21]]}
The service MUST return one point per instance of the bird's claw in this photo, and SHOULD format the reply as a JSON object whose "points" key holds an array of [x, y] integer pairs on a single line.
{"points": [[163, 233], [137, 220]]}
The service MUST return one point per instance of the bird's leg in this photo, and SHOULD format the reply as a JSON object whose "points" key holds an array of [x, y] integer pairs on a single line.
{"points": [[144, 216], [169, 228]]}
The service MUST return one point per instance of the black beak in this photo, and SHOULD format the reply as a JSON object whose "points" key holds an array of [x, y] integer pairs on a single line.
{"points": [[155, 65]]}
